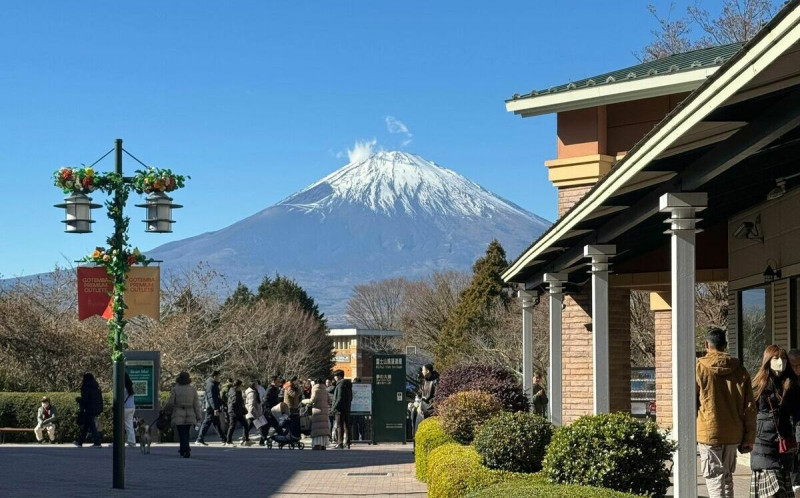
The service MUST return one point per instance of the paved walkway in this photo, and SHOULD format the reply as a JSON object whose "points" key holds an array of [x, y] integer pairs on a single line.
{"points": [[63, 470]]}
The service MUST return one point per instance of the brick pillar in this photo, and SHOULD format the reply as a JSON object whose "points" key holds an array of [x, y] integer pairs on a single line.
{"points": [[576, 342], [619, 351], [659, 304], [568, 196]]}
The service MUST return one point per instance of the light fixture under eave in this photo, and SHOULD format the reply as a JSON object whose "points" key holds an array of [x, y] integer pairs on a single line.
{"points": [[780, 187], [770, 274]]}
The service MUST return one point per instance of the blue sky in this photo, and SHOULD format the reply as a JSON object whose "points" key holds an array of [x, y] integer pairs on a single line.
{"points": [[255, 100]]}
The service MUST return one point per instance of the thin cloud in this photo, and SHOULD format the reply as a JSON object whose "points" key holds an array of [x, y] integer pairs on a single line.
{"points": [[395, 126], [361, 150]]}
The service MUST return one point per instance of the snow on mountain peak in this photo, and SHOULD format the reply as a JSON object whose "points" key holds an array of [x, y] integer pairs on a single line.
{"points": [[391, 182]]}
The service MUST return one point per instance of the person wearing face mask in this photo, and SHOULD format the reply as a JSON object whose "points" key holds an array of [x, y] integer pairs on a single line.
{"points": [[45, 419], [778, 403], [726, 417]]}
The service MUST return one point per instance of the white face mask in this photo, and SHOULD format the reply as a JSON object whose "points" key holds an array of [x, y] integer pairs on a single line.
{"points": [[777, 365]]}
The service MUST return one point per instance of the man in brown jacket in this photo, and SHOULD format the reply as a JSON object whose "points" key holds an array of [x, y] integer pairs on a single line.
{"points": [[726, 418]]}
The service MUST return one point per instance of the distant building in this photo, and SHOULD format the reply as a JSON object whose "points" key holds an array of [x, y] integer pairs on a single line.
{"points": [[353, 349]]}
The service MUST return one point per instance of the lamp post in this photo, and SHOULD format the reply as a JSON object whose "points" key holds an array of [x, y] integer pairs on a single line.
{"points": [[118, 258]]}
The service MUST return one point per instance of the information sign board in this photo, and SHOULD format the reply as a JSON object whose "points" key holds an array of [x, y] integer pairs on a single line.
{"points": [[388, 398], [362, 399]]}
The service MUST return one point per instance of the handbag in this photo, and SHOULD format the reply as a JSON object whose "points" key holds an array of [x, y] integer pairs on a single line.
{"points": [[260, 421], [785, 444]]}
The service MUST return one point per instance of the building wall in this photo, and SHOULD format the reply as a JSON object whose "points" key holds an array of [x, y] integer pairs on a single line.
{"points": [[663, 360], [619, 330], [576, 340], [568, 196]]}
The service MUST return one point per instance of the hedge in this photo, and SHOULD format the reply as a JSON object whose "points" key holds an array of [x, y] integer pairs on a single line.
{"points": [[455, 470], [538, 490], [612, 450], [19, 410], [429, 436], [500, 382], [462, 414], [514, 441]]}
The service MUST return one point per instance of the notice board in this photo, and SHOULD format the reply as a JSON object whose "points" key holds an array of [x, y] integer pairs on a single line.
{"points": [[388, 398]]}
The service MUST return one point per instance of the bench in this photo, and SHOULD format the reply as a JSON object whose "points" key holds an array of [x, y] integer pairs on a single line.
{"points": [[4, 430]]}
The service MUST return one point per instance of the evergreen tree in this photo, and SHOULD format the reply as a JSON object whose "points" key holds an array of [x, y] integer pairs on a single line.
{"points": [[470, 316], [286, 290], [241, 296]]}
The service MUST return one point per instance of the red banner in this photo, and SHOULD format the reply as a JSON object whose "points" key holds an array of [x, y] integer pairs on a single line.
{"points": [[94, 286]]}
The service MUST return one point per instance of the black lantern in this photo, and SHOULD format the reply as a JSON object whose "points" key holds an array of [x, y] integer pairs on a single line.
{"points": [[78, 213], [771, 275], [159, 208]]}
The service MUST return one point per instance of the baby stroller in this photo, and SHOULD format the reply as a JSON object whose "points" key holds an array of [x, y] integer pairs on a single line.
{"points": [[283, 434]]}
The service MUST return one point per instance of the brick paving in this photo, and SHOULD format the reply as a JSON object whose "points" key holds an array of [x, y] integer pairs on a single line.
{"points": [[63, 470]]}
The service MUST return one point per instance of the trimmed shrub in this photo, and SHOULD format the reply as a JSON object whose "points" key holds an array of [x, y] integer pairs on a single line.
{"points": [[19, 410], [463, 414], [455, 470], [614, 451], [518, 487], [497, 381], [514, 441], [429, 436]]}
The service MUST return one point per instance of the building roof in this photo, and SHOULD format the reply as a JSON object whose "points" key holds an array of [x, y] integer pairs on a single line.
{"points": [[674, 74], [600, 216], [364, 332]]}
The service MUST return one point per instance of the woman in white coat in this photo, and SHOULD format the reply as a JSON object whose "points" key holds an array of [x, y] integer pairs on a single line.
{"points": [[319, 416], [255, 411]]}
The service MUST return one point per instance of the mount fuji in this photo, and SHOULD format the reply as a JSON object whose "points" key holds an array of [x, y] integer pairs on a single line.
{"points": [[392, 214]]}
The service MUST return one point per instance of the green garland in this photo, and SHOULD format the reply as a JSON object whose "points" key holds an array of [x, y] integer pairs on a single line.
{"points": [[119, 257]]}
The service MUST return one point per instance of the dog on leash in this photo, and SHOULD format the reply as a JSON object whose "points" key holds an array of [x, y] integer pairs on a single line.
{"points": [[143, 434]]}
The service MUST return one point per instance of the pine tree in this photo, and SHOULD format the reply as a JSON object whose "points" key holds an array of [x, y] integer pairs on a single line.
{"points": [[242, 296], [286, 290], [470, 316]]}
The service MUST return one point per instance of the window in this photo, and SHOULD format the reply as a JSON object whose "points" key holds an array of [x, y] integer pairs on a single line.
{"points": [[755, 330]]}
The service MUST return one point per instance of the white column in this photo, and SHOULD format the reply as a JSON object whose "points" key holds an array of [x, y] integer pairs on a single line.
{"points": [[682, 208], [554, 377], [528, 301], [600, 255]]}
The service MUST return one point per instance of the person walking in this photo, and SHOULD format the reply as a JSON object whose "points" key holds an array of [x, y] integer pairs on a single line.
{"points": [[329, 387], [430, 383], [255, 411], [213, 408], [319, 402], [236, 411], [539, 400], [90, 406], [184, 404], [45, 421], [130, 410], [291, 396], [778, 403], [272, 399], [342, 399], [726, 414]]}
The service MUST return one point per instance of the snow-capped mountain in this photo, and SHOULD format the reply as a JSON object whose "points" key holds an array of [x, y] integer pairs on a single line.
{"points": [[392, 214]]}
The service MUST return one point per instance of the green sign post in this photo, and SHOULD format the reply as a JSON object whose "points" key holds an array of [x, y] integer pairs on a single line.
{"points": [[388, 398]]}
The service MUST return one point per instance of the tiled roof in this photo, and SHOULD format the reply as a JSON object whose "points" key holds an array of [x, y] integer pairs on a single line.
{"points": [[705, 57]]}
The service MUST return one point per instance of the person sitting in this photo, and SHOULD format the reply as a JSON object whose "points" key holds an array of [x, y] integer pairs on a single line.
{"points": [[45, 419]]}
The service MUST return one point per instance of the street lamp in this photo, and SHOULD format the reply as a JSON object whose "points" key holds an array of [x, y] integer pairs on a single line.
{"points": [[119, 257]]}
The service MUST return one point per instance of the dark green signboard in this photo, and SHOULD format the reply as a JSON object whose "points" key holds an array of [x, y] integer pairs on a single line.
{"points": [[142, 374], [388, 398]]}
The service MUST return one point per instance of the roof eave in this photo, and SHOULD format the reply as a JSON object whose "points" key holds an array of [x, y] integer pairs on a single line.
{"points": [[611, 93]]}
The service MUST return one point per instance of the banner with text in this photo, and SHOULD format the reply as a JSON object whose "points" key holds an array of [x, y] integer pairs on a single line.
{"points": [[142, 294]]}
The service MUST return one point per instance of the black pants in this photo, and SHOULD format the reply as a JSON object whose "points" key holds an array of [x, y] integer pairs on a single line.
{"points": [[294, 424], [89, 424], [208, 421], [233, 419], [183, 437], [343, 428]]}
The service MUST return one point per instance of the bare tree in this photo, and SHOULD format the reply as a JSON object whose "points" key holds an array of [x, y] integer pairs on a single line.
{"points": [[378, 305], [643, 344], [739, 21]]}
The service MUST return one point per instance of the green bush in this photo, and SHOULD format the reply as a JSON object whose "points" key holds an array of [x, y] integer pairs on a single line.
{"points": [[428, 437], [614, 451], [455, 470], [19, 410], [514, 441], [462, 414], [517, 487]]}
